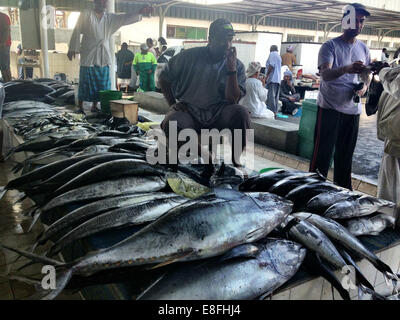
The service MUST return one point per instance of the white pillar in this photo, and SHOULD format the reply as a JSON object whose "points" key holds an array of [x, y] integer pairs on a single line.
{"points": [[285, 36], [44, 43], [111, 9]]}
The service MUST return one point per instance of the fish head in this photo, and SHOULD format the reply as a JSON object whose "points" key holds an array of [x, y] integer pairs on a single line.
{"points": [[267, 201], [284, 256]]}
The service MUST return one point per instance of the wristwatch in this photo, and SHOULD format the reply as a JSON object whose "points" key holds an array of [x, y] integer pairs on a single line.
{"points": [[229, 73]]}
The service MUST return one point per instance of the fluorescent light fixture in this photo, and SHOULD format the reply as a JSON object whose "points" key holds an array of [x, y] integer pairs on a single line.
{"points": [[210, 2]]}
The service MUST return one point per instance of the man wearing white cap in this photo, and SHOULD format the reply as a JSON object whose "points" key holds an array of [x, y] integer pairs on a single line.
{"points": [[256, 94], [288, 94], [289, 59]]}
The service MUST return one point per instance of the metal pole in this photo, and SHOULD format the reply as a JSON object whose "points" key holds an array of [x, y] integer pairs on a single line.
{"points": [[111, 9], [44, 43]]}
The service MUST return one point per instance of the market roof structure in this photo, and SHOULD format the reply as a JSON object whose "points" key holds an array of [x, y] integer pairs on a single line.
{"points": [[322, 11]]}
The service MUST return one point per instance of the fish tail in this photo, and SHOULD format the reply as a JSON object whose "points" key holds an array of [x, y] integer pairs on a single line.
{"points": [[328, 274], [35, 219], [3, 191], [62, 279], [34, 257], [373, 293], [384, 268], [360, 278]]}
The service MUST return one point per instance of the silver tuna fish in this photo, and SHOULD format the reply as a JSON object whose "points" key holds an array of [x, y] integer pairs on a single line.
{"points": [[244, 276], [372, 225]]}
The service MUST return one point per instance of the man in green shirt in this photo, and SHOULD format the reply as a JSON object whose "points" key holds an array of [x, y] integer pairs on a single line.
{"points": [[145, 65]]}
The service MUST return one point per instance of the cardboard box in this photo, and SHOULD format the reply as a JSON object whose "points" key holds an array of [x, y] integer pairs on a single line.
{"points": [[125, 109]]}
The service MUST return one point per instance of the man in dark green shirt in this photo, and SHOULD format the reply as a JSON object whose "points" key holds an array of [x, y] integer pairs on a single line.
{"points": [[204, 85]]}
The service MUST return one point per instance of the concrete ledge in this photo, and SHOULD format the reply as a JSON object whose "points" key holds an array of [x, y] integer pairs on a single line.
{"points": [[276, 134], [152, 101]]}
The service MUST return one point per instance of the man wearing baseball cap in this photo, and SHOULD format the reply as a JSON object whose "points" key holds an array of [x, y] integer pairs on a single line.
{"points": [[341, 61], [204, 85], [145, 65]]}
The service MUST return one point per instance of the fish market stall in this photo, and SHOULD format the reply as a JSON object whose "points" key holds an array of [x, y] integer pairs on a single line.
{"points": [[121, 223]]}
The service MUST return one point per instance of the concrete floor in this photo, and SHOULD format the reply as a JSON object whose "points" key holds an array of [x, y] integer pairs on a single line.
{"points": [[12, 226]]}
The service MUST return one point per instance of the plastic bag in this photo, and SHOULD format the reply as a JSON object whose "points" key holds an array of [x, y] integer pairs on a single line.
{"points": [[186, 187], [374, 95]]}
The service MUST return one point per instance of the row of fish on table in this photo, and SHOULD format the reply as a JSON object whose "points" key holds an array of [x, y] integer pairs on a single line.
{"points": [[242, 242], [42, 90]]}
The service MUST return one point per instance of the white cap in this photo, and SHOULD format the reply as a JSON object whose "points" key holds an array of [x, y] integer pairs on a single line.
{"points": [[253, 68]]}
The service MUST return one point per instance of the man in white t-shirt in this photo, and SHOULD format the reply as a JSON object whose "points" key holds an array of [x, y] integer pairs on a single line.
{"points": [[341, 60]]}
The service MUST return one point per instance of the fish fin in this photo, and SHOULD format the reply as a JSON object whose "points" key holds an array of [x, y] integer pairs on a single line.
{"points": [[290, 225], [228, 194], [333, 280], [243, 251], [35, 219], [316, 265], [174, 259], [360, 278], [34, 257], [254, 235], [3, 191]]}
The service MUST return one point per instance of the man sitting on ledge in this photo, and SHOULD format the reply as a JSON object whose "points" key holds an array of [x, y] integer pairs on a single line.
{"points": [[203, 86]]}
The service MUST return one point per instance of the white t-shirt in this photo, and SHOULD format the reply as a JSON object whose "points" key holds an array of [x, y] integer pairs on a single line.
{"points": [[255, 98]]}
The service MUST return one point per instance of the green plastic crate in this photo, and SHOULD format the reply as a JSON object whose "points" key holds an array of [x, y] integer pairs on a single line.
{"points": [[106, 96]]}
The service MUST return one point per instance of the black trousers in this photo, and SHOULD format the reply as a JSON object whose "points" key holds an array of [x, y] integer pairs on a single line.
{"points": [[335, 131]]}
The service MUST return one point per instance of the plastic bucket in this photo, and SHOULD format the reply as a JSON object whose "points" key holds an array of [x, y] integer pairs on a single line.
{"points": [[106, 96]]}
